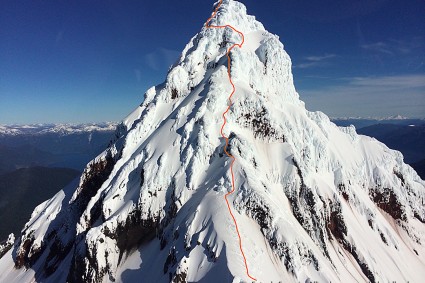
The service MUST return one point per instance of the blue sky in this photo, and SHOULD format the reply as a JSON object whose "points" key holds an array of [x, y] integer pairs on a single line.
{"points": [[87, 61]]}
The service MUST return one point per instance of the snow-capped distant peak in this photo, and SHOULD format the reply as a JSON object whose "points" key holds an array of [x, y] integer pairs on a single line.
{"points": [[395, 117], [63, 129]]}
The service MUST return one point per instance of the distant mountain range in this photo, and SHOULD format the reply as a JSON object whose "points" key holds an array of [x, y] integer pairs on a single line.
{"points": [[52, 145], [62, 129], [29, 157], [365, 122], [394, 117]]}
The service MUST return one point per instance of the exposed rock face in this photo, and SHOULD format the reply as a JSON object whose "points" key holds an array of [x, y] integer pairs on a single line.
{"points": [[314, 202]]}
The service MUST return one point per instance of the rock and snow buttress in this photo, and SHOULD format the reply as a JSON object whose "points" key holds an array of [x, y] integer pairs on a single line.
{"points": [[313, 201]]}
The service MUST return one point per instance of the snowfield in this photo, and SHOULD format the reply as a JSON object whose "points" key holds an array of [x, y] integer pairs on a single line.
{"points": [[313, 201]]}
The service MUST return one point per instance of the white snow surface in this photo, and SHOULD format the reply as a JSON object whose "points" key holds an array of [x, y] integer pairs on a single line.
{"points": [[159, 214]]}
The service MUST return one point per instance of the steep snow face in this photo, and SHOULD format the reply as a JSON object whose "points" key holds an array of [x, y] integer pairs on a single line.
{"points": [[314, 202]]}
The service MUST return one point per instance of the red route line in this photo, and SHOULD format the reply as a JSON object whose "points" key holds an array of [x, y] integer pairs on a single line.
{"points": [[207, 25]]}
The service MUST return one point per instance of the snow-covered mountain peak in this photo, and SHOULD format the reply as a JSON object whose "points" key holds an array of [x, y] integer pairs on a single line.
{"points": [[235, 14], [314, 202], [261, 65]]}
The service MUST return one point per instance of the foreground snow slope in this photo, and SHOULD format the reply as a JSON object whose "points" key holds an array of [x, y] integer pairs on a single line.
{"points": [[314, 202]]}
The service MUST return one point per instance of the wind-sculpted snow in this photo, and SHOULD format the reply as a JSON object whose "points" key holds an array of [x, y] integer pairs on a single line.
{"points": [[7, 245], [314, 202]]}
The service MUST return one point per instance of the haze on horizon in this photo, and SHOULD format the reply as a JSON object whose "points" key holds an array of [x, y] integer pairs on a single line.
{"points": [[92, 61]]}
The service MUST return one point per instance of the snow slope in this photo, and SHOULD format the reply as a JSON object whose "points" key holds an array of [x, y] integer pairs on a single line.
{"points": [[314, 202]]}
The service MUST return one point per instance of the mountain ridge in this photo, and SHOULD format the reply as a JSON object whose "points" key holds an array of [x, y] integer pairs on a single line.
{"points": [[229, 50]]}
